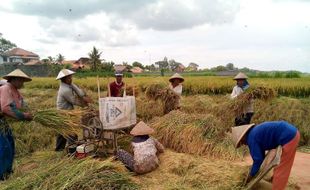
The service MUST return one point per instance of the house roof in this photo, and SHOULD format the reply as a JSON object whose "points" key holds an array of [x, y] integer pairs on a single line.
{"points": [[119, 67], [20, 52], [33, 62], [136, 70], [70, 62]]}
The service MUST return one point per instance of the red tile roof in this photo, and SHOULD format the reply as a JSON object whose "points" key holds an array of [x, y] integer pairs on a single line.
{"points": [[20, 52]]}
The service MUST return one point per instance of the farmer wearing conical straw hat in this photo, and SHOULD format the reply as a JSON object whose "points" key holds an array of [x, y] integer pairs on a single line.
{"points": [[241, 86], [116, 86], [145, 150], [11, 103], [66, 99], [268, 136], [176, 83]]}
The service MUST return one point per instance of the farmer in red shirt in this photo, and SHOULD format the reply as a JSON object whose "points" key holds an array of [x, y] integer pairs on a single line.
{"points": [[117, 85]]}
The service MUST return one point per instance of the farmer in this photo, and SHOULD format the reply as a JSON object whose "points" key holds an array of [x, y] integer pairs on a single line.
{"points": [[267, 136], [11, 103], [242, 85], [117, 85], [3, 82], [145, 150], [176, 83], [68, 96]]}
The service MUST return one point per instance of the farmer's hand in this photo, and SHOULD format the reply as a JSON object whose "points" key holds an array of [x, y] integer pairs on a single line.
{"points": [[249, 179], [28, 116], [87, 99]]}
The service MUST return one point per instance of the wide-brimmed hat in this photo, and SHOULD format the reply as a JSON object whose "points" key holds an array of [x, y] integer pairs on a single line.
{"points": [[63, 73], [176, 76], [118, 74], [238, 133], [240, 76], [17, 73], [141, 129]]}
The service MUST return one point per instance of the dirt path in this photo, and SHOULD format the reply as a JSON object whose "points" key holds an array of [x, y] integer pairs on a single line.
{"points": [[300, 171]]}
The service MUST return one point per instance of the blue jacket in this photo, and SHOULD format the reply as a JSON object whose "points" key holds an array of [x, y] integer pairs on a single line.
{"points": [[267, 136]]}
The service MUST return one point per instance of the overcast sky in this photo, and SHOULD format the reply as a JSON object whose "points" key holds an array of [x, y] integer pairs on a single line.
{"points": [[258, 34]]}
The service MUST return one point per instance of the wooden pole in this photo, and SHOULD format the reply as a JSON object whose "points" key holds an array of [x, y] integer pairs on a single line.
{"points": [[109, 90], [98, 86]]}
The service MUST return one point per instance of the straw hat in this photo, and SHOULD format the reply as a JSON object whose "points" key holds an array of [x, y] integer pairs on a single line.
{"points": [[240, 76], [176, 76], [141, 129], [239, 132], [17, 73], [63, 73]]}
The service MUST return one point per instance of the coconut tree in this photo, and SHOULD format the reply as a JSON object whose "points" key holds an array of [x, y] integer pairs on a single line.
{"points": [[94, 56], [60, 58]]}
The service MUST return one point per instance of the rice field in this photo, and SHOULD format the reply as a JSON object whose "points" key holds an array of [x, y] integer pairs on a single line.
{"points": [[199, 152]]}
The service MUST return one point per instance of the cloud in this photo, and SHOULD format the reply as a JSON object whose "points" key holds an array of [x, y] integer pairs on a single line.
{"points": [[155, 14]]}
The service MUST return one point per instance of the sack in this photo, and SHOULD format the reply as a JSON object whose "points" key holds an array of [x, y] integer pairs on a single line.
{"points": [[117, 112]]}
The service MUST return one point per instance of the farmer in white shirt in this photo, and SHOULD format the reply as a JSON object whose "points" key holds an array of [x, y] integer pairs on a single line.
{"points": [[241, 86], [176, 85], [68, 95]]}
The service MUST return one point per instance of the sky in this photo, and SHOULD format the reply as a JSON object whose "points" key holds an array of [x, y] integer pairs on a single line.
{"points": [[258, 34]]}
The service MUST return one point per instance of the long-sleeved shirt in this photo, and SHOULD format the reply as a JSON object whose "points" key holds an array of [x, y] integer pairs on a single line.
{"points": [[66, 99], [237, 90], [11, 101], [267, 136]]}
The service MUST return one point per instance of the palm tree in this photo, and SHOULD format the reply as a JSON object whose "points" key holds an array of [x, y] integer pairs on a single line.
{"points": [[94, 56], [60, 58]]}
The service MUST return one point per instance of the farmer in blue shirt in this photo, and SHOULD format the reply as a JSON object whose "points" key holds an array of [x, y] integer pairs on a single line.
{"points": [[267, 136]]}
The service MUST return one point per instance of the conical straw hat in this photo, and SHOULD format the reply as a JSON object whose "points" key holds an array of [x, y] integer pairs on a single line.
{"points": [[176, 76], [64, 73], [141, 129], [17, 73], [239, 132], [240, 76]]}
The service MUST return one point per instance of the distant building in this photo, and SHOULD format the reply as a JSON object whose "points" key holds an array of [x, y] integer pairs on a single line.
{"points": [[121, 68], [136, 70], [79, 64], [18, 56], [180, 68]]}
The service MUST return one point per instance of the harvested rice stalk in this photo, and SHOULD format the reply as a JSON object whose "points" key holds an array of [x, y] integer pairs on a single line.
{"points": [[167, 96], [243, 100], [63, 122]]}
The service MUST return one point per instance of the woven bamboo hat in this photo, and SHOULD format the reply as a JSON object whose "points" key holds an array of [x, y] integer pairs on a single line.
{"points": [[141, 129], [17, 73], [240, 76], [238, 133], [63, 73], [176, 76]]}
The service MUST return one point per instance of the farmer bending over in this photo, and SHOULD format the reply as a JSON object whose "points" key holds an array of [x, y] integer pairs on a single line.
{"points": [[66, 99], [145, 150], [267, 136], [11, 102]]}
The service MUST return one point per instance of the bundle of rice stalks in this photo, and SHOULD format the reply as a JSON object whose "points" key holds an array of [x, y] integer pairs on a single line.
{"points": [[186, 171], [65, 122], [132, 91], [246, 98], [50, 170], [200, 134], [167, 96]]}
